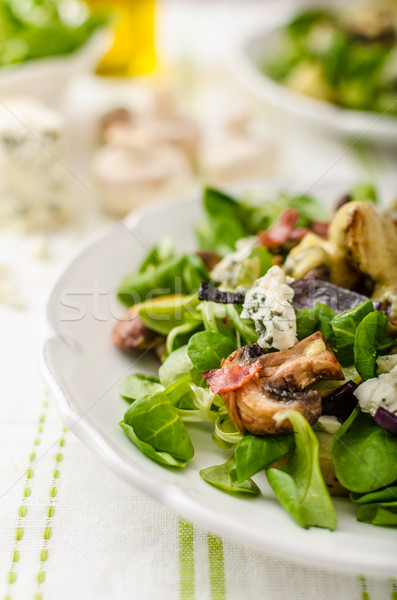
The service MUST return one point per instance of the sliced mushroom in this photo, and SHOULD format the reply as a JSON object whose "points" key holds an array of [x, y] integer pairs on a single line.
{"points": [[131, 334], [280, 385]]}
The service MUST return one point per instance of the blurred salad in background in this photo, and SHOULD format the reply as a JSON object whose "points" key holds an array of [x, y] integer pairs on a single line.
{"points": [[347, 58], [32, 29]]}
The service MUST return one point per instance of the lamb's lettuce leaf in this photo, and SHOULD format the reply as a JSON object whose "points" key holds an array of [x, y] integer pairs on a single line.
{"points": [[344, 328], [371, 340], [164, 314], [178, 364], [364, 454], [318, 318], [219, 477], [137, 385], [206, 349], [254, 454], [182, 274], [299, 485], [155, 422], [383, 514]]}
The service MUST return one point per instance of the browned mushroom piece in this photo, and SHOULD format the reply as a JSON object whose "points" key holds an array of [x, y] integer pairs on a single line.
{"points": [[131, 334], [280, 385]]}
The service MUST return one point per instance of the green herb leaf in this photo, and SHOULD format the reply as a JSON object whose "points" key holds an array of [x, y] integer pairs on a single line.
{"points": [[206, 349], [178, 364], [164, 458], [138, 385], [254, 454], [299, 485], [156, 422], [164, 314], [219, 477], [371, 340], [344, 328], [365, 455], [181, 274], [378, 514], [388, 494]]}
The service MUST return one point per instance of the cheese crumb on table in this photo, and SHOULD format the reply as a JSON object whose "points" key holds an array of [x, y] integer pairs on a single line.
{"points": [[33, 181]]}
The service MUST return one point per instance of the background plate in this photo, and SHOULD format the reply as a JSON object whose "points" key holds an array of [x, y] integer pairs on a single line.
{"points": [[84, 370], [354, 123]]}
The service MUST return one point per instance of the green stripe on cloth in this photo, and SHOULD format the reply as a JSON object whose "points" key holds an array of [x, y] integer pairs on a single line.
{"points": [[23, 507], [364, 589], [393, 585], [217, 567], [186, 561], [50, 510]]}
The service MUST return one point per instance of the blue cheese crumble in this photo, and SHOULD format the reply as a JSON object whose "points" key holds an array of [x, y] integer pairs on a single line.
{"points": [[228, 269], [269, 304], [378, 391]]}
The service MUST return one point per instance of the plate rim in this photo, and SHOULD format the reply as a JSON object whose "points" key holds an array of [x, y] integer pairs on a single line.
{"points": [[175, 495]]}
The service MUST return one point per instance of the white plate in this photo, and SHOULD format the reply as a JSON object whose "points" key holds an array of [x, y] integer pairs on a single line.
{"points": [[84, 370], [357, 124]]}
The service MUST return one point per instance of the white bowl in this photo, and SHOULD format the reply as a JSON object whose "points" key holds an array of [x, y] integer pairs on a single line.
{"points": [[328, 116], [47, 78]]}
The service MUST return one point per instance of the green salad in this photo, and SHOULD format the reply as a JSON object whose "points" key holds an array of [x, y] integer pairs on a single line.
{"points": [[279, 334], [347, 58], [41, 28]]}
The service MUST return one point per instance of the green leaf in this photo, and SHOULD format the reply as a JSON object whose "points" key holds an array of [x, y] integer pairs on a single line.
{"points": [[180, 393], [371, 340], [299, 485], [364, 192], [325, 314], [344, 328], [318, 318], [306, 322], [181, 275], [288, 495], [178, 364], [378, 514], [388, 494], [156, 422], [161, 457], [365, 455], [161, 252], [245, 327], [206, 349], [254, 454], [138, 385], [219, 477], [164, 314]]}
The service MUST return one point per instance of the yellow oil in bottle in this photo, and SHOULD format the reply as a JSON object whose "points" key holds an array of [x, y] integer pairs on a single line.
{"points": [[133, 50]]}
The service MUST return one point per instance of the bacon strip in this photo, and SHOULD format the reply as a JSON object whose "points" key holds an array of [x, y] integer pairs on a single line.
{"points": [[231, 378], [280, 233]]}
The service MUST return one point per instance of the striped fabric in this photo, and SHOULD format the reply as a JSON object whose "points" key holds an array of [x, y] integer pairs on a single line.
{"points": [[70, 529]]}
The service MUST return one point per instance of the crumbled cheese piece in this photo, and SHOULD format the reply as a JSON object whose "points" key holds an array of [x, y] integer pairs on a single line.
{"points": [[269, 304], [329, 424], [379, 391], [227, 270], [386, 363], [33, 180]]}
